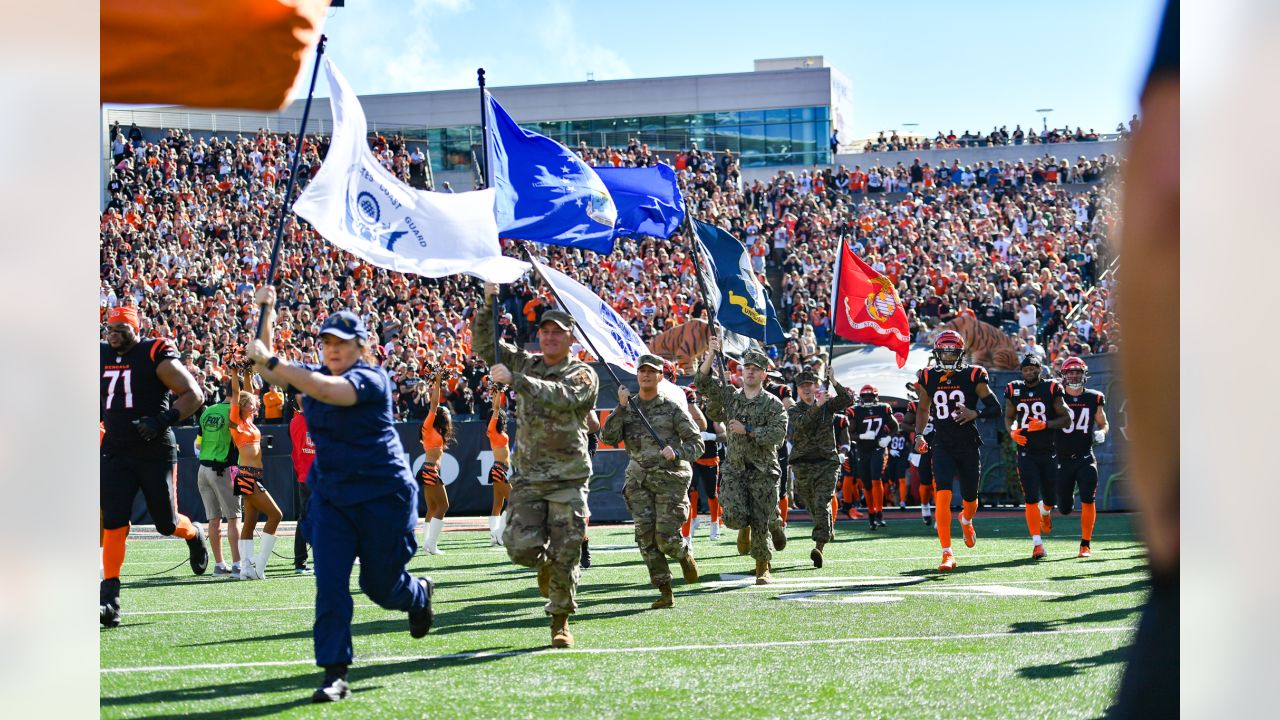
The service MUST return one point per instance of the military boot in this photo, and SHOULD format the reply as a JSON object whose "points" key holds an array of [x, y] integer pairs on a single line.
{"points": [[744, 540], [816, 555], [667, 599], [689, 567], [560, 635], [779, 536], [762, 573], [544, 580]]}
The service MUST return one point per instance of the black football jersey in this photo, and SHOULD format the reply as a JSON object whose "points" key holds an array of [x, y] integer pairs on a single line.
{"points": [[1077, 437], [947, 391], [1034, 402], [870, 421], [131, 390], [898, 443]]}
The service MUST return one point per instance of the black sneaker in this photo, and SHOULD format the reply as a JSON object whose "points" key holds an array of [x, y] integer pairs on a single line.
{"points": [[871, 521], [420, 620], [586, 555], [333, 689], [109, 614], [303, 570], [880, 519], [199, 553]]}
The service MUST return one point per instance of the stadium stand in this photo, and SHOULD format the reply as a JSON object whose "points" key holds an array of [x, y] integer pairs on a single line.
{"points": [[187, 230]]}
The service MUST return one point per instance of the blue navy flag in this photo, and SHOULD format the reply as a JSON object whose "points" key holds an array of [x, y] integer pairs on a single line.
{"points": [[735, 292], [546, 193], [648, 200]]}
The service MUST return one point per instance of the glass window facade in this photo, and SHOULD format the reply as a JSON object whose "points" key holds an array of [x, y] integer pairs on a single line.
{"points": [[787, 136]]}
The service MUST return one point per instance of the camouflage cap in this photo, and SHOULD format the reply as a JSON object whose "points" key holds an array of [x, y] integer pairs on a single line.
{"points": [[561, 318], [806, 376], [650, 361], [757, 358]]}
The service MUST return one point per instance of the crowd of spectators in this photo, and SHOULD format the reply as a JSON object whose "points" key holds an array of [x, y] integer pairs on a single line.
{"points": [[187, 231], [998, 136]]}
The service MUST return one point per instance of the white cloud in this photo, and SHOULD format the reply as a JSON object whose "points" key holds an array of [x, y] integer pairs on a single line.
{"points": [[572, 54]]}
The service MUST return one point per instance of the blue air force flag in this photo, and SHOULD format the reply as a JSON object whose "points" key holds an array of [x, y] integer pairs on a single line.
{"points": [[354, 203], [648, 200], [615, 341], [546, 193], [733, 288]]}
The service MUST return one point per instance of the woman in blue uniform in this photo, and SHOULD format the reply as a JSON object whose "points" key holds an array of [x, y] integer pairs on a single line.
{"points": [[364, 501]]}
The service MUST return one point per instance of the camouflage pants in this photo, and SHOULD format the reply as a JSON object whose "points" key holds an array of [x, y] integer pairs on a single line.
{"points": [[659, 503], [815, 485], [749, 498], [548, 520]]}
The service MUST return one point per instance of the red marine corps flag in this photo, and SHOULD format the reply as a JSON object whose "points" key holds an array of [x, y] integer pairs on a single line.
{"points": [[865, 308]]}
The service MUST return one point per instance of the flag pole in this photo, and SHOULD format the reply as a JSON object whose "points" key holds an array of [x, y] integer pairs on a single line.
{"points": [[835, 306], [696, 245], [487, 179], [287, 204], [631, 401]]}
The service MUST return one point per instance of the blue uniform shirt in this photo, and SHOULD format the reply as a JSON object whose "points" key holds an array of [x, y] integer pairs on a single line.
{"points": [[358, 453]]}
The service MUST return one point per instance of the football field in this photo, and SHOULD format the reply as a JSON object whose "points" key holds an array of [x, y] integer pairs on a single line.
{"points": [[876, 633]]}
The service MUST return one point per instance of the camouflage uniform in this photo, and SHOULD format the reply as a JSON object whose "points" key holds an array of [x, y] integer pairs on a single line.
{"points": [[749, 476], [656, 489], [814, 459], [550, 466]]}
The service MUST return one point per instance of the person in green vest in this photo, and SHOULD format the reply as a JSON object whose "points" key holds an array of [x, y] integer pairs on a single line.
{"points": [[217, 455]]}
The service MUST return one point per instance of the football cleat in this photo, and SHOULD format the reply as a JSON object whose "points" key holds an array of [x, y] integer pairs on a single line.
{"points": [[109, 614], [420, 620], [970, 535], [948, 562], [1085, 551], [1037, 552], [199, 553], [333, 689]]}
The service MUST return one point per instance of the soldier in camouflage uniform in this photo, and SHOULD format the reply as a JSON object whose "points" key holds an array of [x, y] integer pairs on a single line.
{"points": [[550, 467], [813, 452], [657, 484], [756, 425]]}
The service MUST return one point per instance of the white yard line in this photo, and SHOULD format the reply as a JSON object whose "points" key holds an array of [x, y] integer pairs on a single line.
{"points": [[624, 651]]}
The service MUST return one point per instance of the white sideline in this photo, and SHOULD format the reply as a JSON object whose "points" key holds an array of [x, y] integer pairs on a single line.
{"points": [[622, 651]]}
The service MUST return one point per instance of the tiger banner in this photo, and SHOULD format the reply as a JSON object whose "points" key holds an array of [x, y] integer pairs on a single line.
{"points": [[865, 307]]}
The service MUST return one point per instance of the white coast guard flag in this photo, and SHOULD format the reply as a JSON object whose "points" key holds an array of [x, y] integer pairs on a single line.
{"points": [[360, 207], [614, 339]]}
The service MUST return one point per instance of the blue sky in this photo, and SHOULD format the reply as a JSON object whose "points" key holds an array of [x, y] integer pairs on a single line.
{"points": [[944, 65]]}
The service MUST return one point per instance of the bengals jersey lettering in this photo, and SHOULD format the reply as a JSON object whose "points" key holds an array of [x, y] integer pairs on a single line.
{"points": [[131, 390], [1034, 402], [1076, 439], [947, 391], [870, 421]]}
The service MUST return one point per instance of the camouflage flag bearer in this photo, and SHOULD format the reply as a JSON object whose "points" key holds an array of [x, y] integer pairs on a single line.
{"points": [[757, 425], [813, 452], [549, 484], [657, 478]]}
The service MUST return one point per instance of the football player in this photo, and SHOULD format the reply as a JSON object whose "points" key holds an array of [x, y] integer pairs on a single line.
{"points": [[139, 453], [1033, 408], [895, 468], [873, 425], [949, 392], [1086, 427], [922, 462]]}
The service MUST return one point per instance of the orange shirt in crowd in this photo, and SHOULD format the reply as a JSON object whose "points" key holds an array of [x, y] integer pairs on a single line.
{"points": [[273, 404]]}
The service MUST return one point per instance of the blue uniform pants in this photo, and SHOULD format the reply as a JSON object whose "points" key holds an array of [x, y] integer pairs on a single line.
{"points": [[380, 533]]}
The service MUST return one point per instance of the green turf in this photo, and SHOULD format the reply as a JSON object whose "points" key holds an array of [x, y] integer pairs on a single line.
{"points": [[875, 633]]}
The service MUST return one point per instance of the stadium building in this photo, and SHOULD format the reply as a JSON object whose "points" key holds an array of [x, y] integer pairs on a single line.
{"points": [[780, 114]]}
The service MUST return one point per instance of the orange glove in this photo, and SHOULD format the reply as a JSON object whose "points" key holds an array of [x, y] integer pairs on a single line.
{"points": [[922, 445], [1018, 437], [1035, 425]]}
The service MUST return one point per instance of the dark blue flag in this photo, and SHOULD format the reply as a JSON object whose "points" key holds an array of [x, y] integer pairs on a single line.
{"points": [[648, 200], [546, 193], [735, 292]]}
